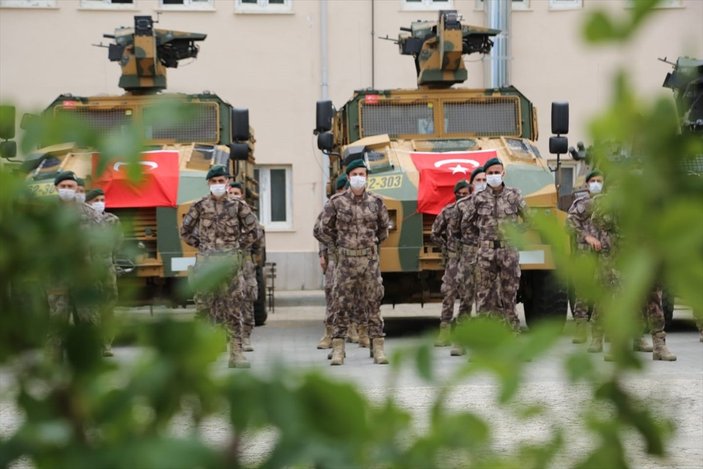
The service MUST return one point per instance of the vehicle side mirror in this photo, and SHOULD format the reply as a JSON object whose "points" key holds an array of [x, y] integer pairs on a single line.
{"points": [[8, 149], [240, 125], [323, 116], [558, 145], [7, 122], [560, 118], [325, 141], [239, 151]]}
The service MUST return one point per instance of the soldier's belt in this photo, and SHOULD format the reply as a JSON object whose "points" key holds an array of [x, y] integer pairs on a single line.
{"points": [[356, 252]]}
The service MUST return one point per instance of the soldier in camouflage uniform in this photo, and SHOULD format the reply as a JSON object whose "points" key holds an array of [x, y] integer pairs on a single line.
{"points": [[221, 228], [443, 236], [251, 291], [604, 241], [354, 223], [80, 191], [579, 220], [498, 263], [328, 260], [67, 299], [95, 198]]}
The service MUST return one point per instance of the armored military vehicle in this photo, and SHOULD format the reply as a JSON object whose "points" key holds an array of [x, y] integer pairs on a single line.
{"points": [[418, 142], [180, 153]]}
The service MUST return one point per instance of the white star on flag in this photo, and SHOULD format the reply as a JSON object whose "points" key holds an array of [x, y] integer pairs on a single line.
{"points": [[459, 169]]}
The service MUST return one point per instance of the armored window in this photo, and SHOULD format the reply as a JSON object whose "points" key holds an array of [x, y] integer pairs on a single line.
{"points": [[486, 117], [200, 123], [275, 204], [263, 6], [395, 119], [27, 3], [426, 4], [188, 5]]}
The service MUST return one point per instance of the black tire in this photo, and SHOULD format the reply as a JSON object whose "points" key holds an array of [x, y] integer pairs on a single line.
{"points": [[543, 297], [668, 308], [260, 312]]}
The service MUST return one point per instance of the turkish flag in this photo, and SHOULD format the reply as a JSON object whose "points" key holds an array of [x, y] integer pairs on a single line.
{"points": [[440, 171], [158, 186]]}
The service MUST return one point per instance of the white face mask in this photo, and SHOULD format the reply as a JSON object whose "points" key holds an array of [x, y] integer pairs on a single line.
{"points": [[67, 194], [494, 180], [98, 206], [595, 187], [218, 190], [479, 187], [357, 182], [80, 197]]}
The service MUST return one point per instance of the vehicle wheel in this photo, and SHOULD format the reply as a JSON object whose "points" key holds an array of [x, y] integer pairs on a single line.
{"points": [[260, 313], [544, 297], [668, 307]]}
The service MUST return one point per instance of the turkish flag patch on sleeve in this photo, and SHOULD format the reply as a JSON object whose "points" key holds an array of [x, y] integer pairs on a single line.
{"points": [[157, 187], [440, 171]]}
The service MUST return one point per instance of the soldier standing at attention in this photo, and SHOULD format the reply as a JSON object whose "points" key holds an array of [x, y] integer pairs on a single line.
{"points": [[63, 299], [328, 260], [221, 228], [354, 223], [443, 236], [80, 190], [498, 263], [579, 220], [251, 291], [106, 256]]}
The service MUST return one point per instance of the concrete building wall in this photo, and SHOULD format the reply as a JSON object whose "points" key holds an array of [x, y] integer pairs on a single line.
{"points": [[270, 63]]}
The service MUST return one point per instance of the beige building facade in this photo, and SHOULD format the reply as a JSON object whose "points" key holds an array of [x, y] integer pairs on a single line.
{"points": [[268, 56]]}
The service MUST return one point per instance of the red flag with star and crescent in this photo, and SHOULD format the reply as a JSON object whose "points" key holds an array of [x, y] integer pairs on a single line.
{"points": [[440, 171], [158, 186]]}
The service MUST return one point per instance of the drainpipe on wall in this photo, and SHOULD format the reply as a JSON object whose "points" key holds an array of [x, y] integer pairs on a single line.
{"points": [[496, 68], [324, 85]]}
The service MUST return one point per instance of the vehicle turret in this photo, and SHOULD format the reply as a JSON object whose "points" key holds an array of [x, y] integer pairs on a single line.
{"points": [[686, 81]]}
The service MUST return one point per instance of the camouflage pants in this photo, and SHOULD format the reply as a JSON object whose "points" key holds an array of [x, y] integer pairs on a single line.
{"points": [[222, 304], [580, 306], [653, 312], [467, 277], [66, 302], [609, 279], [499, 279], [108, 289], [329, 291], [358, 288], [251, 294]]}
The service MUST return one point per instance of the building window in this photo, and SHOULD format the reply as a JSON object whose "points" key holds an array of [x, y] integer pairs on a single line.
{"points": [[565, 4], [107, 4], [27, 3], [188, 5], [426, 4], [275, 197], [516, 5], [263, 6]]}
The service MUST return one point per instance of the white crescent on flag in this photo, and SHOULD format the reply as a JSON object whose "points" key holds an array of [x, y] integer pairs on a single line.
{"points": [[458, 168], [150, 164]]}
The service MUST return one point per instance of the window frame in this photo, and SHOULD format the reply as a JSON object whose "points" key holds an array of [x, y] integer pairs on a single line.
{"points": [[562, 5], [264, 7], [264, 179], [107, 5], [426, 5], [189, 5], [515, 5], [28, 4]]}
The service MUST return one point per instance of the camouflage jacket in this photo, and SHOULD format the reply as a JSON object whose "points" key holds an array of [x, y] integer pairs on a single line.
{"points": [[316, 230], [219, 225], [487, 211], [579, 219], [351, 222], [604, 225], [469, 235], [88, 216], [112, 222], [444, 228], [258, 247]]}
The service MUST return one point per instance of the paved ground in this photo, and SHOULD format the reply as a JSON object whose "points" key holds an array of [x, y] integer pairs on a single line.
{"points": [[293, 330]]}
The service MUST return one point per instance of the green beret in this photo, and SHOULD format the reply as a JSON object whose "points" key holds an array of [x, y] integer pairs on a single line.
{"points": [[93, 193], [355, 164], [81, 182], [593, 173], [491, 162], [460, 185], [475, 172], [341, 182], [237, 184], [217, 170], [65, 176]]}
